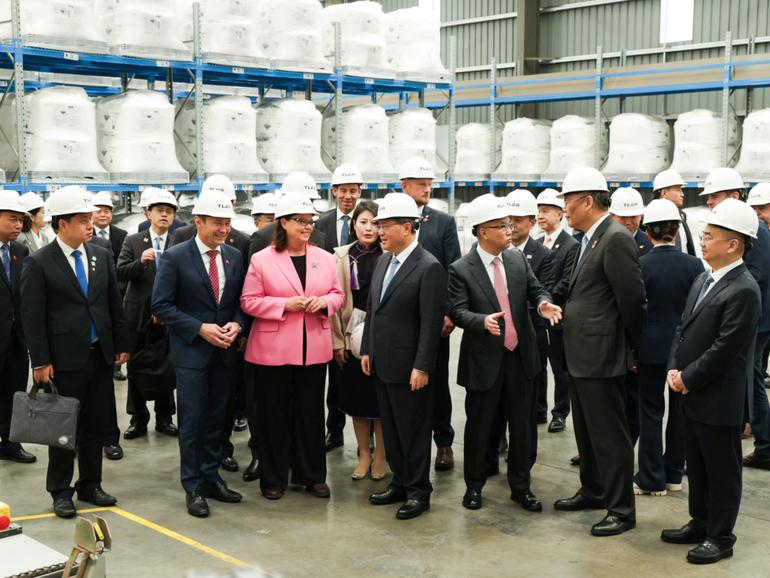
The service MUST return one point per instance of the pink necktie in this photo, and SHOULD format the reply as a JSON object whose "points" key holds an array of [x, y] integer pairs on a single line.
{"points": [[511, 337], [548, 242], [214, 273]]}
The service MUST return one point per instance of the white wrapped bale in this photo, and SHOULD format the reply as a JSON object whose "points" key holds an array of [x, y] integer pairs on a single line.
{"points": [[362, 30], [136, 138], [229, 141], [475, 156], [291, 34], [639, 147], [698, 143], [413, 134], [526, 150], [754, 164], [573, 144], [289, 138], [414, 44]]}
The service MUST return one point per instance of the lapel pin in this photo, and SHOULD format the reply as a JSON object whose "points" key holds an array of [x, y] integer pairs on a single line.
{"points": [[145, 240], [315, 265], [93, 259], [593, 245], [227, 262], [13, 258], [232, 240], [556, 246], [529, 257]]}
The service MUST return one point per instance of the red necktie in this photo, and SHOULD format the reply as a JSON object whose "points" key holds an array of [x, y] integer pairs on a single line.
{"points": [[511, 337], [214, 273]]}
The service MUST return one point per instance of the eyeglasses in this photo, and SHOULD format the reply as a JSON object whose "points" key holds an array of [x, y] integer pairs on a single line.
{"points": [[507, 226], [303, 222], [380, 226], [572, 199], [707, 238]]}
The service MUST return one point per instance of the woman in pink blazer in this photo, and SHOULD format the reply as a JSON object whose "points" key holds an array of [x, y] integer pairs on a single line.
{"points": [[291, 290]]}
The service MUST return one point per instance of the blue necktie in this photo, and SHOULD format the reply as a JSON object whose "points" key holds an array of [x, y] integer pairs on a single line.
{"points": [[158, 251], [7, 263], [80, 273], [583, 245], [389, 276], [702, 294], [345, 233]]}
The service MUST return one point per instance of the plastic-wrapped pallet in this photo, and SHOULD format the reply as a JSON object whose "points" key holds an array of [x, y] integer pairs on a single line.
{"points": [[413, 134], [290, 33], [754, 164], [573, 144], [526, 150], [475, 156], [697, 143], [639, 147], [229, 142], [362, 30], [146, 28], [364, 142], [136, 138], [289, 138], [62, 24], [413, 44]]}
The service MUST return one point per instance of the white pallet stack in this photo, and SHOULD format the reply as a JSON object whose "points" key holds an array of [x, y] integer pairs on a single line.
{"points": [[413, 133], [698, 143], [754, 164], [526, 150], [573, 144], [414, 45], [290, 32], [143, 28], [640, 147], [474, 152]]}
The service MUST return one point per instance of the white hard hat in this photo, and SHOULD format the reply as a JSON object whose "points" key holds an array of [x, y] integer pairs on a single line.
{"points": [[145, 196], [583, 180], [758, 195], [356, 337], [300, 182], [416, 168], [103, 199], [550, 197], [161, 197], [626, 202], [11, 201], [487, 208], [660, 210], [521, 203], [294, 203], [734, 215], [722, 179], [70, 200], [220, 184], [397, 205], [667, 178], [213, 204], [32, 201], [264, 203], [347, 174]]}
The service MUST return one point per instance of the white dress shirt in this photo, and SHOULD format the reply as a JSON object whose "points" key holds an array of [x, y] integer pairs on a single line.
{"points": [[67, 250], [553, 236], [720, 273], [590, 232], [404, 255], [521, 247], [486, 259], [163, 239], [204, 249], [98, 232]]}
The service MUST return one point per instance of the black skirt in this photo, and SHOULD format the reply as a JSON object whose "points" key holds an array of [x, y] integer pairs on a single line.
{"points": [[355, 390]]}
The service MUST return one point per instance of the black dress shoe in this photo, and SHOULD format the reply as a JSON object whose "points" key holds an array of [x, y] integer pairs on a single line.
{"points": [[97, 497], [16, 453], [687, 534], [64, 508], [167, 428], [752, 460], [196, 504], [578, 502], [251, 472], [708, 552], [229, 464], [575, 460], [240, 424], [472, 499], [334, 441], [135, 430], [612, 525], [556, 425], [527, 500], [389, 496], [412, 508], [118, 374], [219, 491], [114, 452]]}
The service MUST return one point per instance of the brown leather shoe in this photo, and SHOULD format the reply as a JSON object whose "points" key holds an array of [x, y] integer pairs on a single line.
{"points": [[445, 459], [319, 490], [752, 460], [273, 493]]}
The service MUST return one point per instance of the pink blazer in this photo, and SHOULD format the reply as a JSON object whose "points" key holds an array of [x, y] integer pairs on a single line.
{"points": [[276, 335]]}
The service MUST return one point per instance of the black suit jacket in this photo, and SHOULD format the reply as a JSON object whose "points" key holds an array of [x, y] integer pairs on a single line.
{"points": [[472, 297], [57, 315], [668, 275], [540, 259], [177, 223], [263, 238], [10, 301], [236, 239], [605, 308], [438, 235], [327, 224], [564, 250], [757, 261], [117, 235], [643, 242], [402, 330], [713, 348]]}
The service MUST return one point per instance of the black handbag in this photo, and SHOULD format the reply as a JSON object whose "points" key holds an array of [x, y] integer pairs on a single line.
{"points": [[43, 418]]}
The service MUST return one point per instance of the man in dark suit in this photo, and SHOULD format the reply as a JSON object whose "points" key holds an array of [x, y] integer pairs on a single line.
{"points": [[404, 314], [550, 212], [711, 352], [669, 185], [137, 265], [498, 360], [196, 295], [438, 235], [14, 361], [603, 318], [75, 330]]}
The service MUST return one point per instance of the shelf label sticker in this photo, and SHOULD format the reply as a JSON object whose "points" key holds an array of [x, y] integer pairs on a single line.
{"points": [[71, 56], [614, 184], [238, 70], [307, 76], [162, 63], [168, 187], [478, 184], [635, 185], [368, 81], [431, 86], [248, 187], [52, 188]]}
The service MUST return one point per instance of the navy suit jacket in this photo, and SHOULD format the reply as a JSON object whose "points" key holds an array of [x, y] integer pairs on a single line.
{"points": [[183, 300], [643, 242], [757, 261], [438, 236]]}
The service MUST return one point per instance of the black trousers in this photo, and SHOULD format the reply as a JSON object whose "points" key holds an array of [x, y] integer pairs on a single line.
{"points": [[14, 372], [290, 424], [714, 475], [335, 418], [561, 377], [541, 381], [406, 426], [136, 405], [112, 431], [94, 388], [603, 441], [512, 395], [236, 385], [632, 405], [249, 381], [443, 433]]}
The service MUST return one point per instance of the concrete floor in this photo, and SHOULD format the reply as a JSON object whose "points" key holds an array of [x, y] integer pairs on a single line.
{"points": [[345, 536]]}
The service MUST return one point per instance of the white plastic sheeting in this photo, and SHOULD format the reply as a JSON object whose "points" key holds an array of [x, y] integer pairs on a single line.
{"points": [[573, 144], [697, 143], [639, 146], [229, 139], [526, 149], [474, 151], [413, 44], [142, 28], [290, 32], [754, 164], [413, 134], [362, 30], [289, 138], [364, 141]]}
